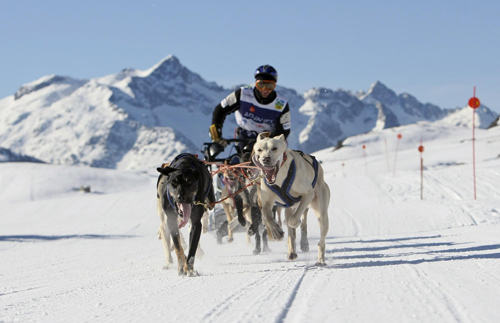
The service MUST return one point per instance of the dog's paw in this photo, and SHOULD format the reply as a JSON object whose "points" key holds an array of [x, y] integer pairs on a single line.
{"points": [[266, 249], [277, 233], [320, 264], [192, 273], [256, 251], [252, 230], [242, 221], [230, 240], [292, 256]]}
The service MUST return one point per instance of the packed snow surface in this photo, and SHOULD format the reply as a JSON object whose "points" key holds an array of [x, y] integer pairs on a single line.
{"points": [[71, 256]]}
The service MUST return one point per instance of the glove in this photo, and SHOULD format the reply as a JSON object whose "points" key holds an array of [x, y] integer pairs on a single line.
{"points": [[216, 135]]}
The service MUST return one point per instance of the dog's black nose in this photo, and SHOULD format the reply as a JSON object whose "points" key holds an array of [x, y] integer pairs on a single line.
{"points": [[182, 198], [266, 159]]}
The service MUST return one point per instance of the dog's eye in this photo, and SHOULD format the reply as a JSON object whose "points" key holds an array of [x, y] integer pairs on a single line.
{"points": [[274, 149], [259, 150]]}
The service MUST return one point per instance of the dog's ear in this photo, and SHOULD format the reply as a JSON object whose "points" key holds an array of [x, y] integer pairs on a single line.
{"points": [[263, 135], [166, 170], [281, 137]]}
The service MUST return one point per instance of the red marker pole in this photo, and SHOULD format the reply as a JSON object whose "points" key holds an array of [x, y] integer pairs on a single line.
{"points": [[366, 163], [474, 103], [421, 150], [396, 155], [387, 155]]}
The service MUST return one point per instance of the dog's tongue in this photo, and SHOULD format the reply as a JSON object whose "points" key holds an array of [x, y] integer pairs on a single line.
{"points": [[185, 208]]}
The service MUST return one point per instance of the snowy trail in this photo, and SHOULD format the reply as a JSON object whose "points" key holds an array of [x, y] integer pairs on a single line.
{"points": [[391, 257], [430, 276], [425, 276]]}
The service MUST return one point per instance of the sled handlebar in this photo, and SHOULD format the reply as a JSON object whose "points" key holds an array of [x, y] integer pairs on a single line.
{"points": [[212, 149]]}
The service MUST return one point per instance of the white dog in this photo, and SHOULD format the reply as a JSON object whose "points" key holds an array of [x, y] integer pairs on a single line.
{"points": [[294, 181]]}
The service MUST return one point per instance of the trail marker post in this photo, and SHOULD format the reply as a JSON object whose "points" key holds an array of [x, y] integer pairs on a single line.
{"points": [[396, 154], [474, 103], [421, 150], [364, 155]]}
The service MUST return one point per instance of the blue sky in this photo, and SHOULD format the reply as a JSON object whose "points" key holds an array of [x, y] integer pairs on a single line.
{"points": [[434, 50]]}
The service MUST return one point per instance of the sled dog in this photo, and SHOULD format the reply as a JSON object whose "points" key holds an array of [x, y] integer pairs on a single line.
{"points": [[183, 187], [242, 208], [293, 181]]}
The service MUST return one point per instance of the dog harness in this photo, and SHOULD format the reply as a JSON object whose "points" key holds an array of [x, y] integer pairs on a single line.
{"points": [[193, 166], [283, 192], [239, 185]]}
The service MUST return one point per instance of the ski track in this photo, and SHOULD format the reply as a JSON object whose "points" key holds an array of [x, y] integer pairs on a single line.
{"points": [[250, 303], [436, 298]]}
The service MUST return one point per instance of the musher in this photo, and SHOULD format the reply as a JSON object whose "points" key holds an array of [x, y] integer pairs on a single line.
{"points": [[258, 108]]}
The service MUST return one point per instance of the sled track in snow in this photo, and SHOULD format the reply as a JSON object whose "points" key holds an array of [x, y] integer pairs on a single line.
{"points": [[293, 294], [434, 297], [250, 303]]}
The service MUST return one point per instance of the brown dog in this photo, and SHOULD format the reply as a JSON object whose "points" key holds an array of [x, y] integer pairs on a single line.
{"points": [[242, 208]]}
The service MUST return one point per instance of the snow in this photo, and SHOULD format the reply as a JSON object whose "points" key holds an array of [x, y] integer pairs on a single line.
{"points": [[67, 255]]}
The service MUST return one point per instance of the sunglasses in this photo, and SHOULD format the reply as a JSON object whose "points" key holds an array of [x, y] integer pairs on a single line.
{"points": [[267, 85]]}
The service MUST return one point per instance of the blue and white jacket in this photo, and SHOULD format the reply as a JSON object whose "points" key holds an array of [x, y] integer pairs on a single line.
{"points": [[254, 113]]}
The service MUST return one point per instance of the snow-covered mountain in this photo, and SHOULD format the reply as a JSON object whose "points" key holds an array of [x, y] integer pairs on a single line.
{"points": [[130, 120], [138, 119], [397, 110], [333, 116]]}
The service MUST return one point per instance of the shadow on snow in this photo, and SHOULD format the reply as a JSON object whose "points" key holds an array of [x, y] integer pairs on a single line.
{"points": [[34, 237], [427, 252]]}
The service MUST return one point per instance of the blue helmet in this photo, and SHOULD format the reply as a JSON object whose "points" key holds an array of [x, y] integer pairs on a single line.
{"points": [[266, 72]]}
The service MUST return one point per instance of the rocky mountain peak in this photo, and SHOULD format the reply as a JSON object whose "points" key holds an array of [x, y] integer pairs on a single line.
{"points": [[171, 69], [381, 93]]}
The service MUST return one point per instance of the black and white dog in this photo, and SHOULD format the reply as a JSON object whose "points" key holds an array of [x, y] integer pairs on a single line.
{"points": [[183, 187]]}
